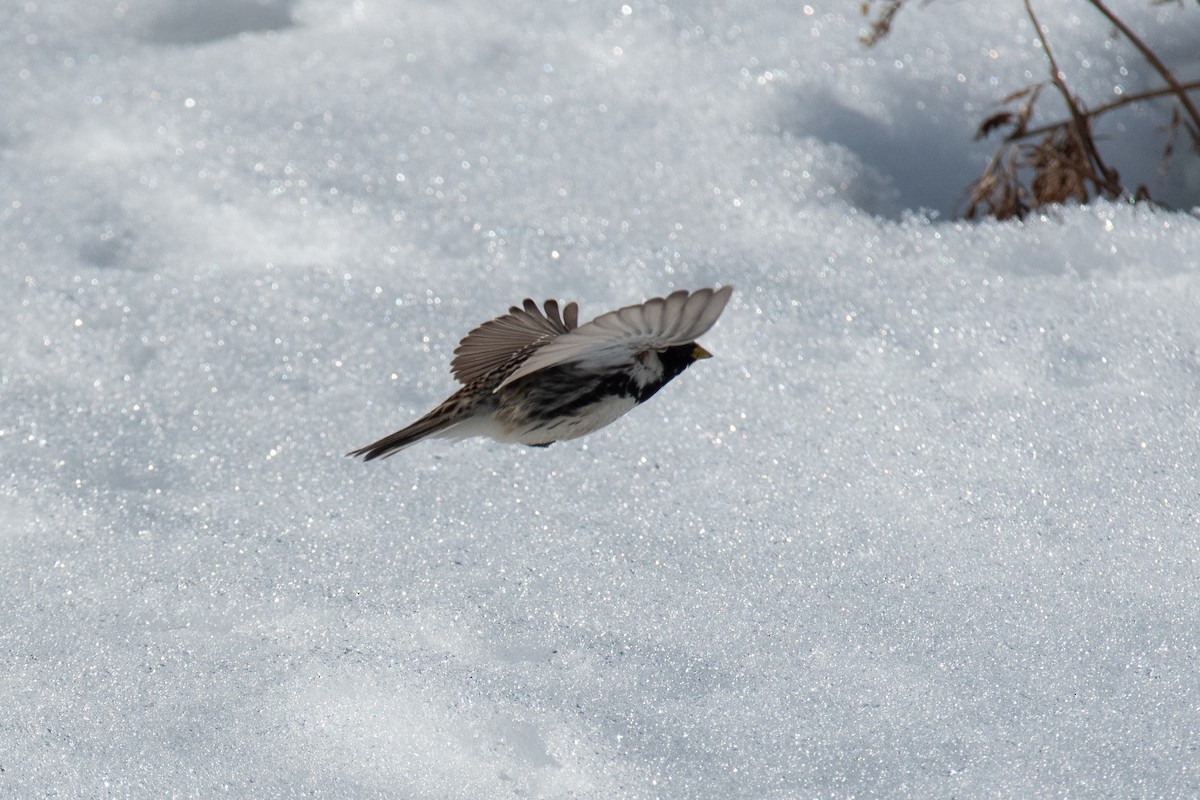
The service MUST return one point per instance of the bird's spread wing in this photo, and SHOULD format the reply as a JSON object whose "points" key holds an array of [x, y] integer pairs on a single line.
{"points": [[509, 339], [615, 338]]}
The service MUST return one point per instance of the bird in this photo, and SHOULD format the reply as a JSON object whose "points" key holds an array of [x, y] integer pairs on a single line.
{"points": [[536, 376]]}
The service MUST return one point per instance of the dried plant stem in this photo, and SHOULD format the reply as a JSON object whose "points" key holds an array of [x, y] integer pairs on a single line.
{"points": [[1059, 162], [1153, 60], [1124, 100], [882, 25], [1101, 175]]}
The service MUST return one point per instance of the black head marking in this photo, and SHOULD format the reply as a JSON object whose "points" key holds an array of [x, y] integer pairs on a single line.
{"points": [[674, 360]]}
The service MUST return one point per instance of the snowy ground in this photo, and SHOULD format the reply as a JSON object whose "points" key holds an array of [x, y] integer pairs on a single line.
{"points": [[927, 525]]}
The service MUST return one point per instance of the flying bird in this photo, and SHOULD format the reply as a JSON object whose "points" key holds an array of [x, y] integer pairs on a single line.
{"points": [[535, 377]]}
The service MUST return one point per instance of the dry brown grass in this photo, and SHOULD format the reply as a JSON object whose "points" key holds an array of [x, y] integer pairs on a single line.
{"points": [[1060, 162]]}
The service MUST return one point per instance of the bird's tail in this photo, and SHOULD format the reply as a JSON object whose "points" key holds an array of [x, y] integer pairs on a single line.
{"points": [[438, 421]]}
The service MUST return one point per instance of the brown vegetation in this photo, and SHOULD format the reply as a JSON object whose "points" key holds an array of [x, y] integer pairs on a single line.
{"points": [[1059, 162]]}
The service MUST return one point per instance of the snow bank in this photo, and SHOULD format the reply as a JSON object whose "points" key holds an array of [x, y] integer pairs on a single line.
{"points": [[925, 527]]}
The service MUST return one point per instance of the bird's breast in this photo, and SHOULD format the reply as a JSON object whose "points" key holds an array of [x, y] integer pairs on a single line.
{"points": [[577, 422]]}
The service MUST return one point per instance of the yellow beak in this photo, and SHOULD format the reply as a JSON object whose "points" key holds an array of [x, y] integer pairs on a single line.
{"points": [[699, 352]]}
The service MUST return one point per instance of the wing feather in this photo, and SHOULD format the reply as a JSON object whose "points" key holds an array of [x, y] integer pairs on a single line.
{"points": [[673, 312], [508, 339], [615, 338]]}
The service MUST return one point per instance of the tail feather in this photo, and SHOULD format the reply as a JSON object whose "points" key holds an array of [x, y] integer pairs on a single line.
{"points": [[431, 424]]}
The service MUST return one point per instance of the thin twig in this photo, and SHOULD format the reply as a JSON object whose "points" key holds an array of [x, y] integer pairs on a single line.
{"points": [[1109, 106], [882, 25], [1149, 55], [1078, 120]]}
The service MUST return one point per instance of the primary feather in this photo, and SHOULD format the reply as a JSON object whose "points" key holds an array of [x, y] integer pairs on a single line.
{"points": [[504, 339], [617, 337]]}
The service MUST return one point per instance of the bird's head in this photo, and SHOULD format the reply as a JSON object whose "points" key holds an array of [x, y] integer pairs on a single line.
{"points": [[681, 356], [663, 366]]}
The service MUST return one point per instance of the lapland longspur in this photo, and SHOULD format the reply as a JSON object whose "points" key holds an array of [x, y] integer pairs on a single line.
{"points": [[536, 378]]}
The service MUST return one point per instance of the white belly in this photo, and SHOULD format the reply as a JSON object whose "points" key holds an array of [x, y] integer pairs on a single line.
{"points": [[590, 419]]}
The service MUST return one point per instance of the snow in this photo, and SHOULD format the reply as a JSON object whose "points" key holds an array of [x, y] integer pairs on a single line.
{"points": [[926, 525]]}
